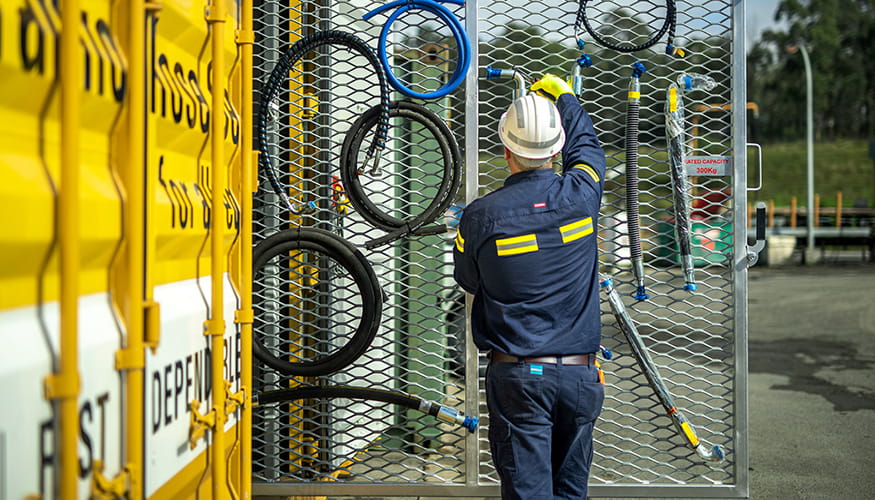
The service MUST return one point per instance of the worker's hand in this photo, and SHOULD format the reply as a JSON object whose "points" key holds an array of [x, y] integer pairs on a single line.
{"points": [[551, 87]]}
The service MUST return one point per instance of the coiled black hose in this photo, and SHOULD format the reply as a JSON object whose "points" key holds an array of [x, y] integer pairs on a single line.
{"points": [[279, 74], [438, 411], [668, 26], [632, 212], [325, 245], [450, 176]]}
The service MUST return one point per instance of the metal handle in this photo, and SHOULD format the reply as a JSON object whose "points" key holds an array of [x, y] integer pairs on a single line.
{"points": [[761, 222], [759, 166], [753, 252]]}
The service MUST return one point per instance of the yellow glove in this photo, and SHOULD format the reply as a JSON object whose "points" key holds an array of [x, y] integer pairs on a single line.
{"points": [[551, 86]]}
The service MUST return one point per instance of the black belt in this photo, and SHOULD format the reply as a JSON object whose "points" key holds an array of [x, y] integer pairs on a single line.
{"points": [[574, 359]]}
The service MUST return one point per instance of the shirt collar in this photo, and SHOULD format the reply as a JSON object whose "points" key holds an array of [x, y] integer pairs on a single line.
{"points": [[529, 175]]}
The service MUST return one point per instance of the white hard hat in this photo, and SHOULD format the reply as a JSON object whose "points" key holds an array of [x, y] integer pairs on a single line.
{"points": [[532, 128]]}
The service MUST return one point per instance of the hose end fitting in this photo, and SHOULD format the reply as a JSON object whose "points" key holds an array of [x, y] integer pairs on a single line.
{"points": [[584, 61], [640, 294], [375, 166], [453, 416], [606, 353], [492, 73], [638, 69], [470, 423], [691, 287], [671, 50]]}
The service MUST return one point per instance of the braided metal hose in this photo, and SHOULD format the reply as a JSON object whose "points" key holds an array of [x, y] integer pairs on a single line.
{"points": [[682, 425], [632, 212]]}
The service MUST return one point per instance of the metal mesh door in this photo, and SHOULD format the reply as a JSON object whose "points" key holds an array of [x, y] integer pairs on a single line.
{"points": [[362, 447]]}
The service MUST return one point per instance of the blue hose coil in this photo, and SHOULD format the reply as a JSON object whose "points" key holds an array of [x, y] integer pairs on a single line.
{"points": [[447, 17]]}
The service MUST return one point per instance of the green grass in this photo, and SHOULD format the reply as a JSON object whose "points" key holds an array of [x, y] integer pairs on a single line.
{"points": [[840, 166]]}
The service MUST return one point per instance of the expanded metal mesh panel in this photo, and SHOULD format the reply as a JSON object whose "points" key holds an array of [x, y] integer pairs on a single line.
{"points": [[690, 335], [306, 306]]}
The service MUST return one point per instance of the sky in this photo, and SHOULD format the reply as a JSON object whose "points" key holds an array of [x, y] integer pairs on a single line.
{"points": [[760, 15]]}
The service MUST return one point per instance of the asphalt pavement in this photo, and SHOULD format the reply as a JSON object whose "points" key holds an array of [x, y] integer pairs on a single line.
{"points": [[811, 382]]}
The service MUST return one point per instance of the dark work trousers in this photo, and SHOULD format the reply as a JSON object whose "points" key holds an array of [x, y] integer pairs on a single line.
{"points": [[541, 418]]}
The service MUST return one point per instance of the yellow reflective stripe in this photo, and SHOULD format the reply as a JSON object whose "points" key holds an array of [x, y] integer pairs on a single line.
{"points": [[634, 95], [576, 230], [517, 245], [589, 170], [460, 243], [673, 99]]}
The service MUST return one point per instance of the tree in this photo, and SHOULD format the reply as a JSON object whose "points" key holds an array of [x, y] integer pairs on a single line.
{"points": [[838, 35]]}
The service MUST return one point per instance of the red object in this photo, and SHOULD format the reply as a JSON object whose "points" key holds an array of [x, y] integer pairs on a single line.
{"points": [[712, 203]]}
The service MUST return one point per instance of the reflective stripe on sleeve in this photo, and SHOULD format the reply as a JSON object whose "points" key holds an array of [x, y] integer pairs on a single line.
{"points": [[576, 230], [589, 170], [517, 245], [460, 243]]}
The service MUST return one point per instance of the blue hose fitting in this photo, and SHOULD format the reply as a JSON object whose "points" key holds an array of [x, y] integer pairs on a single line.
{"points": [[606, 353], [638, 69], [640, 294], [453, 416], [492, 73], [470, 423], [691, 287]]}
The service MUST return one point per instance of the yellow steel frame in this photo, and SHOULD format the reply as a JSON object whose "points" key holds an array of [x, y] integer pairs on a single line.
{"points": [[245, 39], [63, 386], [226, 463]]}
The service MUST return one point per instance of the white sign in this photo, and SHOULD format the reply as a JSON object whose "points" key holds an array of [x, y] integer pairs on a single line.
{"points": [[179, 372], [29, 338], [711, 166]]}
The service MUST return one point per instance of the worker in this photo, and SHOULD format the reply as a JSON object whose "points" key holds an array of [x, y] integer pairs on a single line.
{"points": [[527, 252]]}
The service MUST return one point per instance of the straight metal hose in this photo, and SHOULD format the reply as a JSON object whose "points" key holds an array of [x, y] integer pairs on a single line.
{"points": [[632, 205]]}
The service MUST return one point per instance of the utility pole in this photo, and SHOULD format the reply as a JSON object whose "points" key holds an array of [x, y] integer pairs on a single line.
{"points": [[810, 253]]}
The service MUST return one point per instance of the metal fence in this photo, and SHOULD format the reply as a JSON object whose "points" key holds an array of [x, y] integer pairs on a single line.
{"points": [[360, 447]]}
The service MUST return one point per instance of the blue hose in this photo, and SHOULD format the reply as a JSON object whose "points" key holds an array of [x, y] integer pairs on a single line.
{"points": [[447, 17]]}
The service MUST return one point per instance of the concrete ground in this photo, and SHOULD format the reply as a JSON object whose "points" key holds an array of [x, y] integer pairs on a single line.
{"points": [[812, 382]]}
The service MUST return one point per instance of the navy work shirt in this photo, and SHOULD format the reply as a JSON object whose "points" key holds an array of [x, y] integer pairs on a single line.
{"points": [[528, 252]]}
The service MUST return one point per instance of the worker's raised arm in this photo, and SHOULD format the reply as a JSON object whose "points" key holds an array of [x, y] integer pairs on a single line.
{"points": [[582, 150]]}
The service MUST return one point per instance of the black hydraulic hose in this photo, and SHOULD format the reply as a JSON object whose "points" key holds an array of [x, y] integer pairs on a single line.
{"points": [[436, 410], [279, 74], [632, 212], [351, 174], [365, 281], [668, 26]]}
